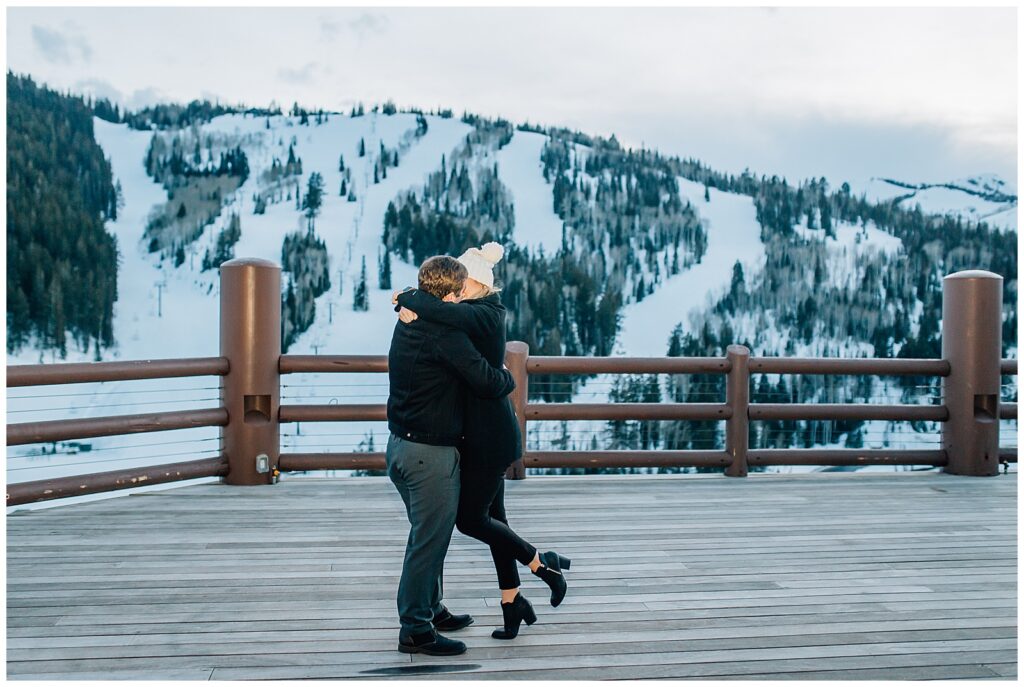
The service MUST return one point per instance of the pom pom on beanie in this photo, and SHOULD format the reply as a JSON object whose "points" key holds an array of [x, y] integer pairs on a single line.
{"points": [[480, 262], [492, 252]]}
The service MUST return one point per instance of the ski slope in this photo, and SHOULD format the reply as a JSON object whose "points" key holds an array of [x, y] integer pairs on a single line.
{"points": [[733, 234], [520, 168], [168, 312]]}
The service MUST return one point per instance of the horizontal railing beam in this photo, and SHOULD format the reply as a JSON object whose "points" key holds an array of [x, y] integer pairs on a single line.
{"points": [[350, 412], [850, 366], [289, 364], [121, 370], [1008, 455], [295, 462], [1007, 411], [628, 411], [843, 456], [626, 459], [61, 430], [1008, 366], [846, 411], [80, 485], [542, 364]]}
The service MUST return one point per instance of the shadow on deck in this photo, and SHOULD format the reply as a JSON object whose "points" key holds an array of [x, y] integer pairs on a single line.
{"points": [[854, 576]]}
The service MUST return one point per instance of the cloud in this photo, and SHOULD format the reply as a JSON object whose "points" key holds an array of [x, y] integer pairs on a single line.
{"points": [[149, 96], [60, 48], [367, 23], [302, 75], [212, 96], [99, 89], [329, 28]]}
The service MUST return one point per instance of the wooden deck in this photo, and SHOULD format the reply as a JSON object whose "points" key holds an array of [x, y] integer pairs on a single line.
{"points": [[827, 575]]}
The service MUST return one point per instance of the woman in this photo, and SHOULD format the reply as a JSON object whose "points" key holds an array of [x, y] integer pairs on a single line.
{"points": [[492, 440]]}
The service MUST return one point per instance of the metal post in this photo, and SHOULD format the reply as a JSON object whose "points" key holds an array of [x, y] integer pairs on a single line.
{"points": [[250, 338], [972, 344], [516, 354], [737, 396]]}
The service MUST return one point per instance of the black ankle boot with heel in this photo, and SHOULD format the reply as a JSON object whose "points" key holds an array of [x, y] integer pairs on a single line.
{"points": [[552, 565], [514, 613]]}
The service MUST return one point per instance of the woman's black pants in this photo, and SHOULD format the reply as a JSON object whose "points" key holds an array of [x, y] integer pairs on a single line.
{"points": [[482, 516]]}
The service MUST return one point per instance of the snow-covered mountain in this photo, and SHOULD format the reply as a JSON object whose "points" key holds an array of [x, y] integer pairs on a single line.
{"points": [[984, 197], [165, 311]]}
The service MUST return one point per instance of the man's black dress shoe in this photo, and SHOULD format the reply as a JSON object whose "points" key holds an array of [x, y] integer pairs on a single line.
{"points": [[446, 622], [430, 643]]}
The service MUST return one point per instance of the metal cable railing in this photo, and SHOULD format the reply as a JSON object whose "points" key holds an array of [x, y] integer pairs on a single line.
{"points": [[966, 402]]}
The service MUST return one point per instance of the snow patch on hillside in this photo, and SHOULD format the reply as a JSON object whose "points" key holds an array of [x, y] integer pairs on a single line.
{"points": [[521, 170], [983, 197], [733, 234]]}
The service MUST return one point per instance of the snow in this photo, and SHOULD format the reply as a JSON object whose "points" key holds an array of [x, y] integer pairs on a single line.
{"points": [[939, 198], [520, 168], [733, 234], [184, 321], [163, 312]]}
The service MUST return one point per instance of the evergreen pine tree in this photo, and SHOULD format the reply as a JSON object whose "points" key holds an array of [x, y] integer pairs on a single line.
{"points": [[361, 297], [384, 275], [738, 283], [314, 197], [675, 342], [826, 218]]}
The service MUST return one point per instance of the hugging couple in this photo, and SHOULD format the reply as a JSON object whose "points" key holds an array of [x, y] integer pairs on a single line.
{"points": [[453, 434]]}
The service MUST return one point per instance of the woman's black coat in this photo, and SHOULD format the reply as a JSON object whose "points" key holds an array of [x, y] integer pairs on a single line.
{"points": [[492, 436]]}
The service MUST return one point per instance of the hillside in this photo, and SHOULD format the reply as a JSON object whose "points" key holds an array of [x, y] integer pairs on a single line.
{"points": [[61, 263], [611, 251]]}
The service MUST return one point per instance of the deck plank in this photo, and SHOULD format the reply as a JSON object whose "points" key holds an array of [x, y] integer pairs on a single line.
{"points": [[828, 576]]}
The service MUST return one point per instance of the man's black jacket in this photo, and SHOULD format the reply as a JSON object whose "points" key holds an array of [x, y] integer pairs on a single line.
{"points": [[492, 436], [430, 367]]}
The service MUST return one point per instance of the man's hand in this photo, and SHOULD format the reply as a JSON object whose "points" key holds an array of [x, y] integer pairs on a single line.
{"points": [[406, 315]]}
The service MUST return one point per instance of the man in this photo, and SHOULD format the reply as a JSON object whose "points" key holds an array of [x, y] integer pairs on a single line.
{"points": [[429, 367]]}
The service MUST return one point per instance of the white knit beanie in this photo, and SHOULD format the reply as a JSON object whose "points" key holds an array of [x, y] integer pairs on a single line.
{"points": [[480, 262]]}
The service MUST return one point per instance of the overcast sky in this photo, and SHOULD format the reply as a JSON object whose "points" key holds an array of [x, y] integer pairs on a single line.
{"points": [[923, 94]]}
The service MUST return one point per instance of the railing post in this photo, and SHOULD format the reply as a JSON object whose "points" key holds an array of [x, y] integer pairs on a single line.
{"points": [[972, 344], [250, 338], [737, 397], [516, 354]]}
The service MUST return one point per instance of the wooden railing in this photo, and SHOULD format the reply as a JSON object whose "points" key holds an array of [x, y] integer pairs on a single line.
{"points": [[59, 430], [250, 414]]}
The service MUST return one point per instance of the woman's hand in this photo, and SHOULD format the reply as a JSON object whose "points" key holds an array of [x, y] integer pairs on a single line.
{"points": [[406, 315], [394, 296]]}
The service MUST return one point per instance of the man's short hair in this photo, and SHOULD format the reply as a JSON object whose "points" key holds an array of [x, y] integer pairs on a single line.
{"points": [[442, 275]]}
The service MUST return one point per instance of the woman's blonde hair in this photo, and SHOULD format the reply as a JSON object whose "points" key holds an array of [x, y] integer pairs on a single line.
{"points": [[488, 290]]}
